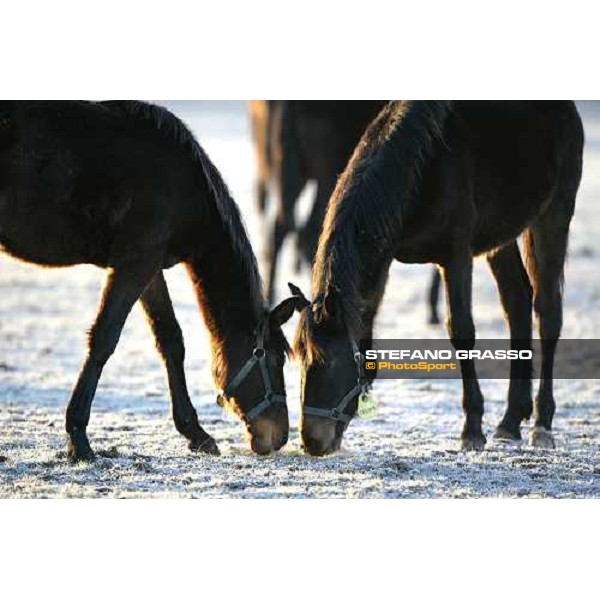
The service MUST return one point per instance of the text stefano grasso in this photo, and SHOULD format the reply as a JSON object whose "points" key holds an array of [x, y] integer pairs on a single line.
{"points": [[498, 354]]}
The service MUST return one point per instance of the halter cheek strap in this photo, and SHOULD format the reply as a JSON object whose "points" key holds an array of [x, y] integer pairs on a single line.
{"points": [[337, 412], [259, 357]]}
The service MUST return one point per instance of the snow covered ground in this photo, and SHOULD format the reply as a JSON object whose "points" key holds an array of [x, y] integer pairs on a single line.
{"points": [[409, 450]]}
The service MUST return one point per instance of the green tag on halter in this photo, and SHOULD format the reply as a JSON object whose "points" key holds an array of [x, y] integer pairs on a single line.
{"points": [[367, 407]]}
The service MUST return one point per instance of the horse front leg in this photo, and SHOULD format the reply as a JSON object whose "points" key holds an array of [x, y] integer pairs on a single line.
{"points": [[515, 294], [122, 289], [457, 279], [169, 342]]}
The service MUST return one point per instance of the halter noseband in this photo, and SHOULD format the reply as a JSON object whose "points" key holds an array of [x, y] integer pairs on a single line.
{"points": [[337, 412], [259, 356]]}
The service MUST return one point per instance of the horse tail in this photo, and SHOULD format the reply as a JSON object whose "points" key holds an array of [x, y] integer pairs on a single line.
{"points": [[368, 207], [547, 239]]}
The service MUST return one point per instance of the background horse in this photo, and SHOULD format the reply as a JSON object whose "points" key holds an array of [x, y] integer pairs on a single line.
{"points": [[443, 182], [297, 142], [126, 187]]}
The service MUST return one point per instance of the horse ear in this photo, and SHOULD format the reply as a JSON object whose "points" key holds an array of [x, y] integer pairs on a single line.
{"points": [[282, 312], [301, 301]]}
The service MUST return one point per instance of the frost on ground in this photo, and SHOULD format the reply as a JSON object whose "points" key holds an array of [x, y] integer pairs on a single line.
{"points": [[409, 450]]}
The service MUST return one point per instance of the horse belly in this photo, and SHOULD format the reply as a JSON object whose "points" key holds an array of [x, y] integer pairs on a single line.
{"points": [[48, 237]]}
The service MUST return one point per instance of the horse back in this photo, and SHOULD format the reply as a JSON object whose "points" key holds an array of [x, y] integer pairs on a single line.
{"points": [[498, 167], [79, 181]]}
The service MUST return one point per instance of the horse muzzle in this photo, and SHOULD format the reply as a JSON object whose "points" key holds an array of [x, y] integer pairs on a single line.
{"points": [[320, 436], [269, 432]]}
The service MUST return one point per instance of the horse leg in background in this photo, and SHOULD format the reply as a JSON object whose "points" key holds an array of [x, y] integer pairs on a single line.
{"points": [[284, 223], [308, 236], [169, 342], [515, 294], [434, 294], [458, 281], [546, 243], [123, 287]]}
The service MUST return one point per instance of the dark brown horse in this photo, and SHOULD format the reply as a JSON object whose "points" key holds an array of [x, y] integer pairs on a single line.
{"points": [[126, 187], [443, 182], [297, 142]]}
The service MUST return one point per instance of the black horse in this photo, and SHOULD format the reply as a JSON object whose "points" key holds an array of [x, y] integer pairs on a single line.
{"points": [[296, 142], [443, 182], [126, 187]]}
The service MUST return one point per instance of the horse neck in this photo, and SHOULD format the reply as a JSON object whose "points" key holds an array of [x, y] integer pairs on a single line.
{"points": [[228, 290], [359, 300]]}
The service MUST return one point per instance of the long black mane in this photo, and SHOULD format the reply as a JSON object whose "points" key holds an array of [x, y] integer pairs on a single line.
{"points": [[366, 210]]}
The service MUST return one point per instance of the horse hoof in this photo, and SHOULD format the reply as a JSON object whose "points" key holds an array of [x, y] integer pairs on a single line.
{"points": [[540, 437], [504, 435], [472, 444], [79, 450], [208, 446], [434, 320]]}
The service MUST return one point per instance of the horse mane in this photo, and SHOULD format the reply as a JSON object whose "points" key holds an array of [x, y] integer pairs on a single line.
{"points": [[367, 209], [176, 131]]}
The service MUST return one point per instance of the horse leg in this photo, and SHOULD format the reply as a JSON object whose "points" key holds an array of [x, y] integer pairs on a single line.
{"points": [[546, 243], [434, 294], [169, 342], [290, 188], [308, 236], [515, 294], [122, 289], [458, 280], [288, 180], [281, 228]]}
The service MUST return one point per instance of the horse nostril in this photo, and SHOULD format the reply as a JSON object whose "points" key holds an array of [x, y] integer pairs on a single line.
{"points": [[281, 441]]}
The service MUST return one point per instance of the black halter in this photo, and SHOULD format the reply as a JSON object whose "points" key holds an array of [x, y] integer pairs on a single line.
{"points": [[259, 357], [337, 412]]}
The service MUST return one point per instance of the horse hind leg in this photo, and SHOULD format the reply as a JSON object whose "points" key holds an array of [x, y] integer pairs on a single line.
{"points": [[169, 343], [288, 181], [515, 295], [546, 247], [308, 236], [122, 289], [290, 187]]}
